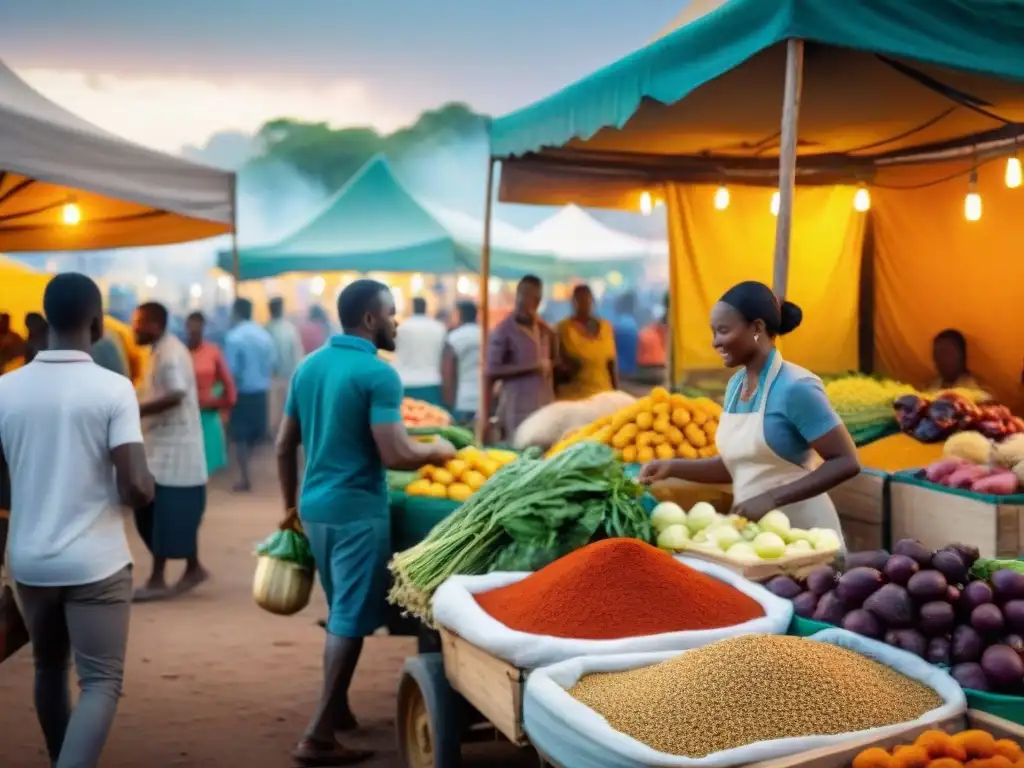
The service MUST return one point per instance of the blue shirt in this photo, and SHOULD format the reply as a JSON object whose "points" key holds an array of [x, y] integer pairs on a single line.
{"points": [[336, 395], [627, 338], [249, 351], [798, 411]]}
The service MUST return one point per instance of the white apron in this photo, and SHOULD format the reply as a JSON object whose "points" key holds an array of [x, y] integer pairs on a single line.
{"points": [[757, 469]]}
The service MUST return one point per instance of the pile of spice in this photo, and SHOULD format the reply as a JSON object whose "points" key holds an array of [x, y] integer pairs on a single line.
{"points": [[618, 588], [753, 688]]}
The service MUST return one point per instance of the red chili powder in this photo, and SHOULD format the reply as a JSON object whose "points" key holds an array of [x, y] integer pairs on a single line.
{"points": [[617, 588]]}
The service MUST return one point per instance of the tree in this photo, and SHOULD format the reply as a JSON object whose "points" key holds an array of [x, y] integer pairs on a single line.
{"points": [[329, 157]]}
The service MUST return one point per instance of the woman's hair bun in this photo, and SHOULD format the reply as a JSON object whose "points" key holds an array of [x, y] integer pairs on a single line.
{"points": [[791, 317]]}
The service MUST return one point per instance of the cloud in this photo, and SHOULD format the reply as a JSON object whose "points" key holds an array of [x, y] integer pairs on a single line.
{"points": [[168, 113]]}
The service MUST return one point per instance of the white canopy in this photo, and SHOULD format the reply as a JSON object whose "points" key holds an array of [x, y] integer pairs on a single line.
{"points": [[573, 234], [125, 194]]}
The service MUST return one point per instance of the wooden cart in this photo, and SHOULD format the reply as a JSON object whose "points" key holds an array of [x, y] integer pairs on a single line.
{"points": [[458, 695]]}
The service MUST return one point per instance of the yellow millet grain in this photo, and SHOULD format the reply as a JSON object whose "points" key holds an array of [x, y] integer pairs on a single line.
{"points": [[749, 689]]}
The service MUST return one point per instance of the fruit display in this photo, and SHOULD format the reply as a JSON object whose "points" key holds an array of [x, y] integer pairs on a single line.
{"points": [[973, 462], [659, 426], [932, 420], [974, 748], [703, 530], [416, 413], [898, 453], [948, 606], [461, 477], [460, 437]]}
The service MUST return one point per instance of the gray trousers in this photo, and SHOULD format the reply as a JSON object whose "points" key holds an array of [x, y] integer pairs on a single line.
{"points": [[91, 623]]}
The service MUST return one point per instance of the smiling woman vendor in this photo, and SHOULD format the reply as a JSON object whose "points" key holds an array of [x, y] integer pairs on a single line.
{"points": [[780, 442]]}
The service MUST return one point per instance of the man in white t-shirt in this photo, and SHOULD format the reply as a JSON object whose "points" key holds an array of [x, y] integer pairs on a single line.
{"points": [[71, 435], [462, 366], [420, 345]]}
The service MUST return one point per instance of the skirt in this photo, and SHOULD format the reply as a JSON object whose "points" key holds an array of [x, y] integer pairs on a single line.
{"points": [[169, 526], [352, 562], [213, 442], [248, 422]]}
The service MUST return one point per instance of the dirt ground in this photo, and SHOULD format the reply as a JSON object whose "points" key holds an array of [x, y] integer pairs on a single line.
{"points": [[212, 680]]}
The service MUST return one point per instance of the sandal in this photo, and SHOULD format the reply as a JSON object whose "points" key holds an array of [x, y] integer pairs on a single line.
{"points": [[312, 754]]}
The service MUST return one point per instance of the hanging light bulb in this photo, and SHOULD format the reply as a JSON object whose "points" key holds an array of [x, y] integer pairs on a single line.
{"points": [[721, 198], [1013, 172], [646, 203], [862, 200], [71, 214], [776, 202], [972, 202]]}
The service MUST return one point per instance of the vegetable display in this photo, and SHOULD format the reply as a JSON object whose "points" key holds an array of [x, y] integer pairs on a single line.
{"points": [[897, 453], [973, 462], [530, 513], [659, 426], [460, 437], [461, 477], [933, 420], [749, 689], [618, 588], [928, 603], [416, 413], [702, 529], [865, 405], [938, 749]]}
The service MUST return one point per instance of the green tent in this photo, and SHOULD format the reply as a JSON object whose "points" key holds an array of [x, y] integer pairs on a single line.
{"points": [[373, 224], [884, 80]]}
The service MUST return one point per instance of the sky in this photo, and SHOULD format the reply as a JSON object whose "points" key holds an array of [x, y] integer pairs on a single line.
{"points": [[172, 74]]}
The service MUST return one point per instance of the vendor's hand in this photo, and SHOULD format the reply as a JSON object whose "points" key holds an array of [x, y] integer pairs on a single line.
{"points": [[291, 521], [443, 450], [655, 471], [755, 508]]}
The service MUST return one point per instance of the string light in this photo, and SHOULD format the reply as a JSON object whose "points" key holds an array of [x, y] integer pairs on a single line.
{"points": [[721, 198], [776, 202], [972, 202], [862, 200], [71, 214], [646, 203], [1013, 172]]}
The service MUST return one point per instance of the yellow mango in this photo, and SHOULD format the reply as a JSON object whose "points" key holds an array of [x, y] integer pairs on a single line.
{"points": [[675, 436], [427, 471], [699, 417], [456, 467], [629, 454], [662, 425], [475, 480], [437, 491], [645, 454], [644, 420], [459, 492], [660, 395], [443, 477], [686, 451], [621, 439], [695, 436], [486, 467], [419, 487], [644, 439], [707, 452], [662, 409], [681, 417]]}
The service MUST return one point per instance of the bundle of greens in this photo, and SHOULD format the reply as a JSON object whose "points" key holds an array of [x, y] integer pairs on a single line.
{"points": [[531, 512], [288, 546]]}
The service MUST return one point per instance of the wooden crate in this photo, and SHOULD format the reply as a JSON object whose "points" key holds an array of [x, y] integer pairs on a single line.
{"points": [[491, 685], [860, 503], [797, 567], [938, 518], [841, 755]]}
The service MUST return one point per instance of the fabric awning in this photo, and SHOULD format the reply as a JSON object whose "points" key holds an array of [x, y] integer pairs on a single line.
{"points": [[126, 195], [883, 79]]}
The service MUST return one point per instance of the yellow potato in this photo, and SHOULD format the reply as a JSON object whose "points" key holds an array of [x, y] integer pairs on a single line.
{"points": [[695, 436], [644, 439], [644, 420], [419, 487], [443, 477], [681, 417], [427, 471], [675, 436], [662, 425], [645, 454], [475, 480], [629, 454], [699, 417], [456, 467], [665, 451], [437, 491], [677, 400], [686, 451], [707, 452], [660, 395]]}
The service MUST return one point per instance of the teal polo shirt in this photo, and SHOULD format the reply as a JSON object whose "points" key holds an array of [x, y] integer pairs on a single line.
{"points": [[336, 395]]}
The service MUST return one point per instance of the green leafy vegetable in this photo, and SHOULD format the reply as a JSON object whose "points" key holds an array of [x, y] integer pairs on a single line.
{"points": [[288, 546], [983, 568], [531, 512]]}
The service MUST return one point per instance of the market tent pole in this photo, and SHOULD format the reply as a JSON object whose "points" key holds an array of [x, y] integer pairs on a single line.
{"points": [[787, 163], [236, 269], [483, 417]]}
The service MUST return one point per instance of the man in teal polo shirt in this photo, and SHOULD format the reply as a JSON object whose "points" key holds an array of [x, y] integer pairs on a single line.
{"points": [[344, 409]]}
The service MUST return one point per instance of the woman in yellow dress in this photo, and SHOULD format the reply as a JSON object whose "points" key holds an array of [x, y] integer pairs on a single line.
{"points": [[586, 351]]}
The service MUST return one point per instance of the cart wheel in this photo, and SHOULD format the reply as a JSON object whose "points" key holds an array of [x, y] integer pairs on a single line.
{"points": [[428, 722]]}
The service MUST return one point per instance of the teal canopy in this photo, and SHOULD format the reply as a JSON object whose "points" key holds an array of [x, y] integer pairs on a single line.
{"points": [[373, 224], [883, 80]]}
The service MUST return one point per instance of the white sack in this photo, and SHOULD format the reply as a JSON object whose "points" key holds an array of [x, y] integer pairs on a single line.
{"points": [[576, 736], [456, 609], [551, 423]]}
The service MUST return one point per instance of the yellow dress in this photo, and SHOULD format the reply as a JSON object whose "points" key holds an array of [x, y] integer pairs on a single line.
{"points": [[593, 353]]}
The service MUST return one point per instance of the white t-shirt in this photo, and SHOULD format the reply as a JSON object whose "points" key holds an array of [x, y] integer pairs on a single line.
{"points": [[465, 343], [418, 352], [60, 416]]}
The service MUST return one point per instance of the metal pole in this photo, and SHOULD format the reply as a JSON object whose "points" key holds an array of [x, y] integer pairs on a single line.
{"points": [[483, 417], [236, 269], [787, 163]]}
